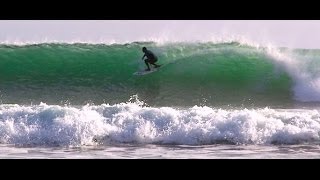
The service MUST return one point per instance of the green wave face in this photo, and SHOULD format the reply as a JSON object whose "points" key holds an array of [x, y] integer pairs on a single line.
{"points": [[192, 74]]}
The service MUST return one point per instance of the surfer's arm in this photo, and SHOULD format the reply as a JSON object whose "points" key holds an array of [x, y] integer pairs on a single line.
{"points": [[143, 56]]}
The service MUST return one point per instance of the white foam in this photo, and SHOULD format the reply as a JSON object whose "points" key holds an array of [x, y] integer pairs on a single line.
{"points": [[131, 122]]}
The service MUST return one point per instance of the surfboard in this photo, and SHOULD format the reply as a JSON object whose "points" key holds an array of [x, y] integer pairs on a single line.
{"points": [[143, 72]]}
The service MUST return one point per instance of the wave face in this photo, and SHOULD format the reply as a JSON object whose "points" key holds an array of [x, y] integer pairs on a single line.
{"points": [[192, 74], [131, 122]]}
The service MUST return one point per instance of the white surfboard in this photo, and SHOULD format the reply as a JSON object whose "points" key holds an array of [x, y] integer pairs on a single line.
{"points": [[143, 72]]}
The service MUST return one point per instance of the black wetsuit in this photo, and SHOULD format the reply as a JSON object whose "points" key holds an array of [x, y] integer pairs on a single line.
{"points": [[151, 58]]}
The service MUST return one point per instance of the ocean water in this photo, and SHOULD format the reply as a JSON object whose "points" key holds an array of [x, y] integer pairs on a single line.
{"points": [[208, 100]]}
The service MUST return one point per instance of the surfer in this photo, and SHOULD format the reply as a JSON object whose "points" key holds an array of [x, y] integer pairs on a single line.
{"points": [[151, 58]]}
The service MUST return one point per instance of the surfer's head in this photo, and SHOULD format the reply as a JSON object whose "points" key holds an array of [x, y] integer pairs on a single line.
{"points": [[144, 49]]}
